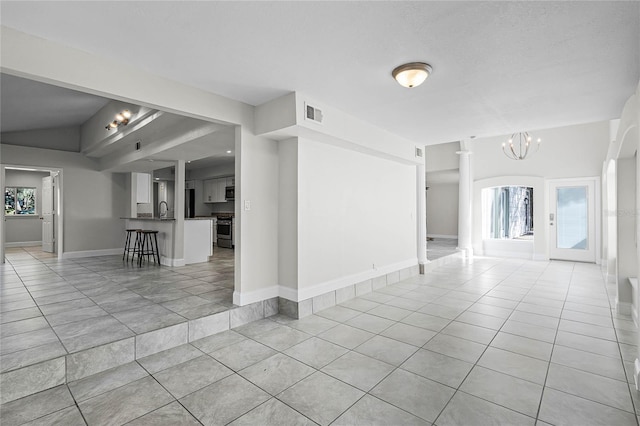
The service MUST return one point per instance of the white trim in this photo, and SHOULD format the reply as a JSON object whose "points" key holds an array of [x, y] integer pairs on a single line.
{"points": [[623, 308], [338, 283], [294, 295], [168, 261], [90, 253], [246, 298], [24, 244], [540, 256], [448, 237], [636, 373]]}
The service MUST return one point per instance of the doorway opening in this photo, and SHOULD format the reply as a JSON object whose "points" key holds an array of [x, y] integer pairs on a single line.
{"points": [[33, 214]]}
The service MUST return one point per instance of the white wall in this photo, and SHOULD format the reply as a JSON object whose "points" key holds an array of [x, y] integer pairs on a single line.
{"points": [[442, 209], [565, 152], [356, 215], [626, 223], [93, 201], [23, 228], [288, 215], [64, 139]]}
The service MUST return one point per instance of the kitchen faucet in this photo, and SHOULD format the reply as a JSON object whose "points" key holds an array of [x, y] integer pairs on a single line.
{"points": [[160, 209]]}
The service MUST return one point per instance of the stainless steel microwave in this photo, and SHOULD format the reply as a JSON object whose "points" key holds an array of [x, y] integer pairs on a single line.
{"points": [[230, 193]]}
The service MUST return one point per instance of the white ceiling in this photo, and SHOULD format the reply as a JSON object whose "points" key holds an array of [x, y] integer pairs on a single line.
{"points": [[30, 105], [498, 66]]}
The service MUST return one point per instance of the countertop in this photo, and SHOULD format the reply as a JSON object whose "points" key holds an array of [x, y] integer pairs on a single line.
{"points": [[154, 219]]}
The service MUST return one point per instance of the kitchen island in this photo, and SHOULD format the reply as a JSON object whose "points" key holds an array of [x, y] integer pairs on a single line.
{"points": [[198, 234]]}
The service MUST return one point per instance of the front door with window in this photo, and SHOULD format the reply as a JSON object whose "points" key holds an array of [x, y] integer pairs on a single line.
{"points": [[572, 222], [47, 215]]}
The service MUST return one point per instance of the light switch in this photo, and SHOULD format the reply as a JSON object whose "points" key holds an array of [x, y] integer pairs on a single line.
{"points": [[247, 204]]}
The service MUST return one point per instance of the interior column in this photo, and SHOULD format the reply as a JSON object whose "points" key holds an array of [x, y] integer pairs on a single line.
{"points": [[178, 236], [464, 202], [421, 187]]}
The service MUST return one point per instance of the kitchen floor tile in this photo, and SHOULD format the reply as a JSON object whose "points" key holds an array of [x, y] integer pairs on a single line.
{"points": [[190, 376], [375, 412], [438, 367], [276, 373], [524, 367], [346, 336], [358, 370], [462, 349], [386, 350], [320, 397], [316, 352], [224, 400], [415, 394], [242, 354], [272, 413], [561, 408], [125, 403], [590, 386], [508, 391], [466, 409]]}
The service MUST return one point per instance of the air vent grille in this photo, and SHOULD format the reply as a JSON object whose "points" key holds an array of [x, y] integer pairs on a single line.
{"points": [[418, 152], [313, 114], [138, 143]]}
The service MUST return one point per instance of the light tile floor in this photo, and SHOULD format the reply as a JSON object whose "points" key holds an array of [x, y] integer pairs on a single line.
{"points": [[494, 342], [51, 307], [441, 247]]}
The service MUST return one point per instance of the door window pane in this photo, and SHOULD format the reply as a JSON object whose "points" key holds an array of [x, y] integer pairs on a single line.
{"points": [[572, 222]]}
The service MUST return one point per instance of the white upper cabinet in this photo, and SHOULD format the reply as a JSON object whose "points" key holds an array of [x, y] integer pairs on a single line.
{"points": [[213, 190], [189, 184], [143, 187]]}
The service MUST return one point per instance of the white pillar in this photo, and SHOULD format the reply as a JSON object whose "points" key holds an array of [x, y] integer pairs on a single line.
{"points": [[178, 232], [421, 188], [464, 203]]}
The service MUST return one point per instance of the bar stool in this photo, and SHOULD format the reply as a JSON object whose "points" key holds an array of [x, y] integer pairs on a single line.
{"points": [[148, 245], [128, 248]]}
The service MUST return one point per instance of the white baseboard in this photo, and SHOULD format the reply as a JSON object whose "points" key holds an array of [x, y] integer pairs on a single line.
{"points": [[249, 297], [167, 261], [624, 308], [338, 283], [448, 237], [295, 295], [90, 253], [540, 256], [23, 244]]}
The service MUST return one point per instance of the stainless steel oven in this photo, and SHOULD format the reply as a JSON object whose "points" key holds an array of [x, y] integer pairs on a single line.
{"points": [[230, 193], [224, 229]]}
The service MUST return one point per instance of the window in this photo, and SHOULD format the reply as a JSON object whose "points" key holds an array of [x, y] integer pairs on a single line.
{"points": [[508, 212], [19, 201]]}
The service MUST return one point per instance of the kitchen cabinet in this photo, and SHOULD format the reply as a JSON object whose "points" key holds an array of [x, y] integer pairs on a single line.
{"points": [[189, 184], [213, 190], [142, 181], [197, 240]]}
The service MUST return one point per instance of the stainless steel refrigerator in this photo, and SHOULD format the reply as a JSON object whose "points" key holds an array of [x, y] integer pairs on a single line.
{"points": [[189, 203]]}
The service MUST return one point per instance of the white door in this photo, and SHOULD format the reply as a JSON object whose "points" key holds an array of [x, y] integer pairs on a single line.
{"points": [[47, 215], [572, 222]]}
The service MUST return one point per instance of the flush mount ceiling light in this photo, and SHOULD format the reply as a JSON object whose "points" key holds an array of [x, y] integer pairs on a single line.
{"points": [[412, 74], [519, 146], [122, 118]]}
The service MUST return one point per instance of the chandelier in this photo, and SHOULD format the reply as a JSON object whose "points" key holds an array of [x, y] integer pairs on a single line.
{"points": [[519, 146]]}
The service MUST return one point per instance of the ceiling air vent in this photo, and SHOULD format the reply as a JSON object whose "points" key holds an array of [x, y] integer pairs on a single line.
{"points": [[138, 145], [312, 113], [418, 152]]}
